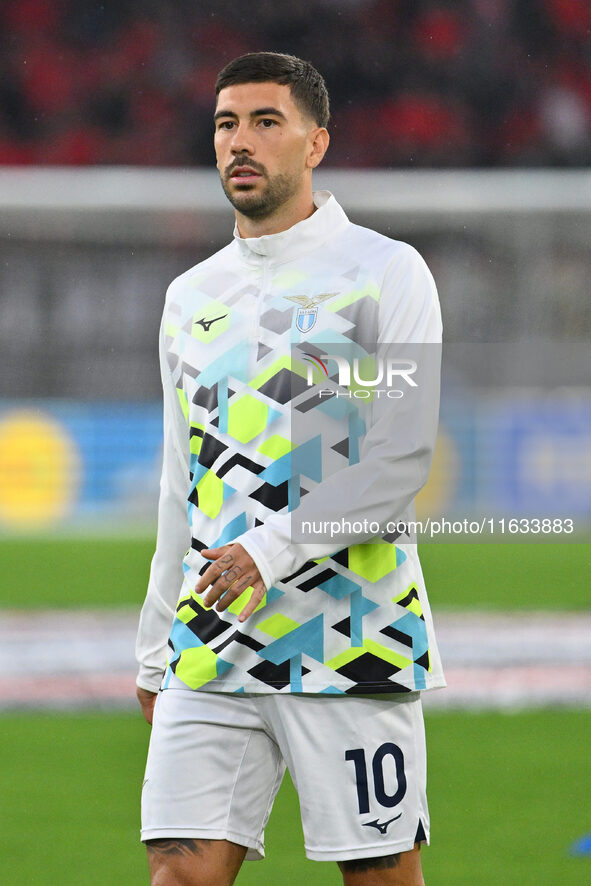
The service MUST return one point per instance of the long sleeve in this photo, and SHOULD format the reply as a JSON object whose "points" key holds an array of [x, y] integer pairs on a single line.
{"points": [[173, 539], [395, 454]]}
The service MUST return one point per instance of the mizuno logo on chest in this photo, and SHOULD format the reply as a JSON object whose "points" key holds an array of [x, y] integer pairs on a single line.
{"points": [[206, 324]]}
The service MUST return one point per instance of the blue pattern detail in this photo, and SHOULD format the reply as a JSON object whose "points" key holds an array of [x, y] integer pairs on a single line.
{"points": [[222, 667], [416, 629], [223, 410], [360, 606], [182, 637], [227, 491], [274, 594], [278, 471], [338, 586], [233, 362], [295, 673], [307, 638], [231, 531], [307, 459]]}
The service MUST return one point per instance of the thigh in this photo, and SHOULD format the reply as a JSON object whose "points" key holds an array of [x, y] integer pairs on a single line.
{"points": [[212, 771], [359, 766]]}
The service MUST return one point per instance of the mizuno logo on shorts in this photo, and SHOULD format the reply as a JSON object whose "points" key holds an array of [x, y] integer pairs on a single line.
{"points": [[381, 826]]}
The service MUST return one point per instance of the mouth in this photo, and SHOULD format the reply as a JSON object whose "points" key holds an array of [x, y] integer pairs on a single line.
{"points": [[244, 175]]}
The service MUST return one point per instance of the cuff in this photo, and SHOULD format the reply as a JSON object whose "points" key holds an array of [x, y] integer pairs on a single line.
{"points": [[149, 678]]}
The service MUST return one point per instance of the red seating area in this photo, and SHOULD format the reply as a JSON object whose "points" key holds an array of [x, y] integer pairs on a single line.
{"points": [[413, 82]]}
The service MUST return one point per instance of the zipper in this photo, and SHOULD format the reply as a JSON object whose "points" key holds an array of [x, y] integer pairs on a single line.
{"points": [[265, 279]]}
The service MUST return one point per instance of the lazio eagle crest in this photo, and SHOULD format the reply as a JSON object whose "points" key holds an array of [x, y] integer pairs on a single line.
{"points": [[308, 311]]}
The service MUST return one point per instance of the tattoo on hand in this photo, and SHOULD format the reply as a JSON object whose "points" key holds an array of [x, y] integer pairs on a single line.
{"points": [[184, 846], [361, 865], [233, 574]]}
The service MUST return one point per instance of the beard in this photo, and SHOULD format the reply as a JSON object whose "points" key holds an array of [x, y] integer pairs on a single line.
{"points": [[260, 204]]}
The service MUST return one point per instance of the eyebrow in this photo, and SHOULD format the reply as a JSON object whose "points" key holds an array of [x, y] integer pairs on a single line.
{"points": [[259, 112]]}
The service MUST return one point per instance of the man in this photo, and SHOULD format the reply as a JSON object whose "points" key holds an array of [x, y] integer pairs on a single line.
{"points": [[286, 648]]}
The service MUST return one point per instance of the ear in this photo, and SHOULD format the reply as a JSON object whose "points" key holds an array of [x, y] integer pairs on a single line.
{"points": [[317, 146]]}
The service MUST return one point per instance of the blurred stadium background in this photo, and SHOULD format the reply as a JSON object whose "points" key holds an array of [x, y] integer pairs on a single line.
{"points": [[463, 127]]}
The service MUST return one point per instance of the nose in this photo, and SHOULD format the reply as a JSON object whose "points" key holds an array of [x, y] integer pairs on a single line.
{"points": [[241, 143]]}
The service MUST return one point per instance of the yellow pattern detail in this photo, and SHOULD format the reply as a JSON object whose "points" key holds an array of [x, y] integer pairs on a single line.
{"points": [[247, 418], [275, 447], [371, 289], [184, 403], [372, 560], [210, 490], [240, 602], [414, 605], [196, 666], [400, 661], [345, 657], [283, 362], [278, 625]]}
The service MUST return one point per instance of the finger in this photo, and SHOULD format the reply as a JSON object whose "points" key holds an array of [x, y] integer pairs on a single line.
{"points": [[213, 553], [220, 588], [215, 571], [258, 592], [234, 590]]}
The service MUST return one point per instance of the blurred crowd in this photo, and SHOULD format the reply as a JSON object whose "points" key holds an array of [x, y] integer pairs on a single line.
{"points": [[412, 82]]}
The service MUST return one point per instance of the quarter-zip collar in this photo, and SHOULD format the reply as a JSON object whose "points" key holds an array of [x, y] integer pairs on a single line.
{"points": [[301, 238]]}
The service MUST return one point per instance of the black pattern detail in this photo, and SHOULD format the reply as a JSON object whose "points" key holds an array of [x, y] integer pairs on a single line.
{"points": [[211, 449], [341, 557], [207, 624], [343, 627], [206, 397], [413, 594], [242, 461], [424, 660], [305, 568], [273, 497], [273, 675], [377, 688], [395, 634], [317, 579], [243, 639], [283, 386], [198, 545], [342, 448], [368, 668]]}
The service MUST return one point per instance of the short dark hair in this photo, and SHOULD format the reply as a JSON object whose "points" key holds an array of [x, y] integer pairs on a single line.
{"points": [[307, 86]]}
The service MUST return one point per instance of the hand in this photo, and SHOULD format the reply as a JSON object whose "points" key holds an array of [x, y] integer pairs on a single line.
{"points": [[147, 700], [231, 573]]}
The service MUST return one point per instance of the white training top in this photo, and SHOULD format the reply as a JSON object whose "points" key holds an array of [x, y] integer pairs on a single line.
{"points": [[307, 468]]}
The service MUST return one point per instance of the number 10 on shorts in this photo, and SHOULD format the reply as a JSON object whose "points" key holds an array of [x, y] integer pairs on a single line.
{"points": [[357, 756]]}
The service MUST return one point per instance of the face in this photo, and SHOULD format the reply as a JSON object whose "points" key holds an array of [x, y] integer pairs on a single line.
{"points": [[263, 147]]}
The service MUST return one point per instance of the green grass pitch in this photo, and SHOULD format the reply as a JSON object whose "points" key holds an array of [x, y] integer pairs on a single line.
{"points": [[96, 573], [508, 797], [508, 793]]}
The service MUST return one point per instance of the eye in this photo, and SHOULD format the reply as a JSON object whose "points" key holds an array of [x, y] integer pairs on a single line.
{"points": [[267, 123], [225, 124]]}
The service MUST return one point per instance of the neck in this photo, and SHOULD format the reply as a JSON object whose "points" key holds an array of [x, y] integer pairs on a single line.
{"points": [[286, 216]]}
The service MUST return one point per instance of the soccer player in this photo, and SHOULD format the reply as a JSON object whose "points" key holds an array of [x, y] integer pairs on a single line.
{"points": [[286, 648]]}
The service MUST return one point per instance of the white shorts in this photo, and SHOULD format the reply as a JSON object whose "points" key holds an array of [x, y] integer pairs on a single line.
{"points": [[216, 762]]}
